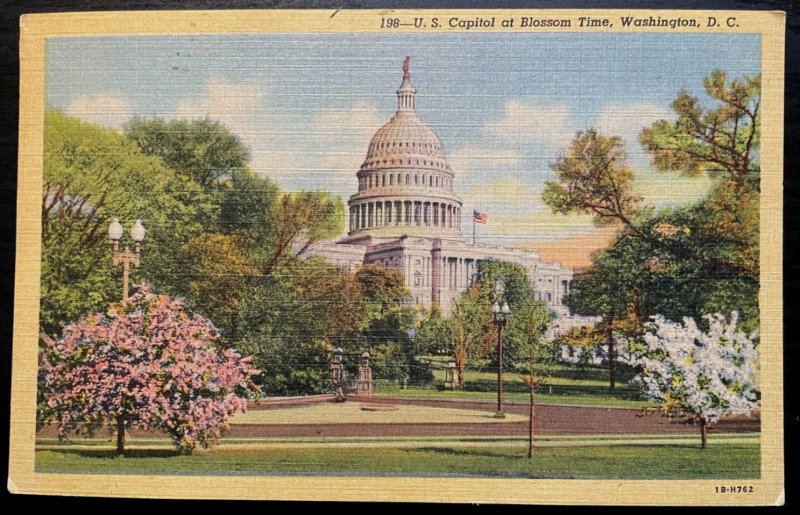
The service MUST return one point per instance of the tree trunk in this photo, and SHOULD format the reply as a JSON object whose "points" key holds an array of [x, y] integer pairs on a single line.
{"points": [[120, 435], [612, 362], [459, 360], [703, 433], [531, 419]]}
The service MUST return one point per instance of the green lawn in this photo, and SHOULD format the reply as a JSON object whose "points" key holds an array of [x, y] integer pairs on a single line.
{"points": [[360, 413], [721, 460], [566, 385], [577, 398]]}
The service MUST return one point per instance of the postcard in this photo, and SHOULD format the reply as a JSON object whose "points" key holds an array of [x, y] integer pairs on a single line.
{"points": [[474, 256]]}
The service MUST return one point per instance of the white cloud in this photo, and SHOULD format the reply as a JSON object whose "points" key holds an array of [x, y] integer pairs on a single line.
{"points": [[108, 109], [476, 158], [507, 191], [628, 121], [344, 136], [522, 142], [670, 189], [660, 189], [244, 108], [299, 151], [235, 105], [531, 123]]}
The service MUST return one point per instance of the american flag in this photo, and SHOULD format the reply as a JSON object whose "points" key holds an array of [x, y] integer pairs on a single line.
{"points": [[480, 218]]}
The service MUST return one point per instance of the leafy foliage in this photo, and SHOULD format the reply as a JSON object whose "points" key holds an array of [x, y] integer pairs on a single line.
{"points": [[146, 364], [218, 272], [594, 178], [683, 261], [469, 333], [91, 175], [203, 151], [722, 141], [699, 375]]}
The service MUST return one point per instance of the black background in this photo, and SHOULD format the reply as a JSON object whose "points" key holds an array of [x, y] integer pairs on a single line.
{"points": [[10, 11]]}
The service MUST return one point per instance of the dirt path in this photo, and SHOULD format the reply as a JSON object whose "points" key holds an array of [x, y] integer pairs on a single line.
{"points": [[550, 420]]}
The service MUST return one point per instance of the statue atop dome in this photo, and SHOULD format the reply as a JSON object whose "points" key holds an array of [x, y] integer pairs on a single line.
{"points": [[406, 61]]}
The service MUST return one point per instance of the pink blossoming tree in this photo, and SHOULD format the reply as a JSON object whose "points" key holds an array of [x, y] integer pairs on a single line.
{"points": [[146, 364]]}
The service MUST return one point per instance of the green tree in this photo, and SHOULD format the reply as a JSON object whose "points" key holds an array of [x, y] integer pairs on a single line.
{"points": [[469, 330], [103, 175], [721, 141], [389, 316], [299, 220], [277, 226], [76, 269], [530, 320], [683, 261], [292, 319], [203, 150], [471, 324], [218, 272], [434, 335], [594, 178]]}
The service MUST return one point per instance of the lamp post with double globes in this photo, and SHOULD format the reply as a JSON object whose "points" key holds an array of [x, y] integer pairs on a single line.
{"points": [[126, 257], [500, 315]]}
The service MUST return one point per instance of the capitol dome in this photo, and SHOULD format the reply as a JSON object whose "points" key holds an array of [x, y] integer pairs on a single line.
{"points": [[405, 140], [405, 184]]}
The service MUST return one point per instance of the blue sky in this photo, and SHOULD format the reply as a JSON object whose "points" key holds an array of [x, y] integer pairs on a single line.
{"points": [[504, 104]]}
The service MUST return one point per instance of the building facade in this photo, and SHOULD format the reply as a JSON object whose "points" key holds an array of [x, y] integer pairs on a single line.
{"points": [[407, 217]]}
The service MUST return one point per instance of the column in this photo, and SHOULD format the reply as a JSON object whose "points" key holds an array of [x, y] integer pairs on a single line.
{"points": [[450, 273], [379, 214], [363, 216]]}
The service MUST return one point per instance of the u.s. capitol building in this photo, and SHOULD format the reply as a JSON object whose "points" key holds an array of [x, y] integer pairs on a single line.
{"points": [[407, 217]]}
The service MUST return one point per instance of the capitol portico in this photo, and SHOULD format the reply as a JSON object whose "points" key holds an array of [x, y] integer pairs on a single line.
{"points": [[406, 216]]}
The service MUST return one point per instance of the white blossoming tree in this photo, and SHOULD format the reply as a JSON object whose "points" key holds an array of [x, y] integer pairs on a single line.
{"points": [[699, 376]]}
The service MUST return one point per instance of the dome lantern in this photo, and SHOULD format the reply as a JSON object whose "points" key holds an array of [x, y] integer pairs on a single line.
{"points": [[406, 92]]}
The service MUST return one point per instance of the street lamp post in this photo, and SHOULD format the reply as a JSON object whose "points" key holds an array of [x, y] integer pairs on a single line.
{"points": [[500, 315], [126, 257]]}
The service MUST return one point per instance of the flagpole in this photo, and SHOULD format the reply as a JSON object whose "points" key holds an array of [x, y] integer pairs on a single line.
{"points": [[473, 229]]}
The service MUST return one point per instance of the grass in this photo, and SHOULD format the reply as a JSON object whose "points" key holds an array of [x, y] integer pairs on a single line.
{"points": [[671, 460], [351, 413], [578, 386], [599, 399]]}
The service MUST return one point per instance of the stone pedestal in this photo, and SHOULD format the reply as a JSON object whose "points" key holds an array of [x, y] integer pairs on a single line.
{"points": [[364, 381]]}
